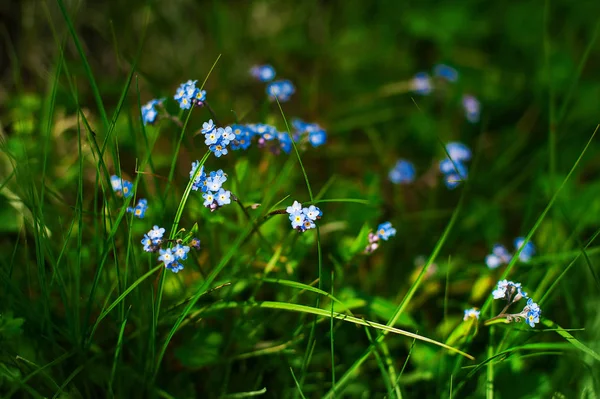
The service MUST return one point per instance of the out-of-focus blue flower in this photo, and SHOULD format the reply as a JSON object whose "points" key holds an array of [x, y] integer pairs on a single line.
{"points": [[200, 181], [208, 127], [280, 89], [166, 256], [317, 137], [453, 168], [149, 112], [499, 256], [140, 209], [127, 189], [264, 73], [528, 250], [180, 252], [223, 197], [458, 151], [175, 266], [500, 291], [471, 314], [242, 137], [472, 108], [402, 173], [385, 231], [421, 83], [299, 125], [285, 142], [156, 234], [445, 72], [122, 187], [116, 183], [532, 313], [187, 95]]}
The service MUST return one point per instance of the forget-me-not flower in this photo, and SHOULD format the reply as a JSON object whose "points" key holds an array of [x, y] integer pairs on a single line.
{"points": [[140, 209], [528, 250], [445, 72], [471, 314], [402, 173], [421, 83], [180, 252], [385, 231], [264, 73], [472, 108], [149, 112]]}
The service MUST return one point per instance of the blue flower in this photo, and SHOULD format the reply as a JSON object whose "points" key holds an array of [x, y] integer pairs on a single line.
{"points": [[200, 181], [147, 243], [213, 136], [264, 73], [312, 212], [126, 190], [299, 125], [209, 199], [195, 243], [219, 148], [285, 142], [175, 266], [140, 209], [295, 208], [227, 134], [458, 151], [402, 173], [208, 127], [297, 219], [472, 108], [180, 252], [317, 137], [307, 225], [187, 94], [149, 112], [266, 132], [528, 250], [385, 231], [166, 256], [532, 313], [242, 137], [445, 72], [421, 83], [156, 235], [116, 183], [471, 313], [505, 289], [223, 197], [199, 96], [499, 256], [280, 89], [215, 180]]}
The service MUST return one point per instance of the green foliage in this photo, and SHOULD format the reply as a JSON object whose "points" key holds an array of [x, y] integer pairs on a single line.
{"points": [[261, 310]]}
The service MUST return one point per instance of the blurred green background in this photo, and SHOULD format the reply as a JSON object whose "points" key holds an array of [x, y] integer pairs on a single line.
{"points": [[532, 64]]}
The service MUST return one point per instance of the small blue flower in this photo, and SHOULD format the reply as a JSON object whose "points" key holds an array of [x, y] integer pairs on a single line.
{"points": [[147, 243], [402, 173], [149, 112], [127, 187], [174, 266], [199, 96], [421, 83], [307, 225], [285, 142], [140, 209], [297, 219], [180, 252], [295, 208], [299, 125], [499, 256], [242, 137], [166, 256], [532, 313], [200, 181], [264, 73], [195, 243], [280, 89], [505, 289], [219, 149], [266, 132], [445, 72], [156, 234], [209, 199], [317, 137], [227, 134], [208, 127], [458, 151], [527, 252], [213, 136], [215, 180], [312, 212], [472, 108], [185, 103], [385, 231], [116, 183], [471, 314], [223, 197], [186, 94]]}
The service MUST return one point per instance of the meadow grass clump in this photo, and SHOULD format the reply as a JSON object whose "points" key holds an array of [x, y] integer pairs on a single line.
{"points": [[167, 237]]}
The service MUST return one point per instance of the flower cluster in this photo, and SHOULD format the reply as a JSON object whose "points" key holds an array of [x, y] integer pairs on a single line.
{"points": [[123, 188], [217, 138], [149, 111], [402, 173], [188, 94], [263, 73], [314, 133], [171, 256], [454, 168], [303, 218], [140, 209], [384, 232], [501, 256], [210, 185], [471, 314], [511, 292], [281, 90]]}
